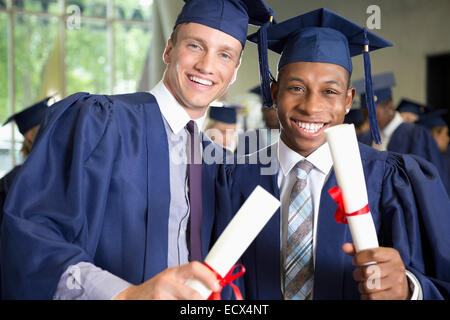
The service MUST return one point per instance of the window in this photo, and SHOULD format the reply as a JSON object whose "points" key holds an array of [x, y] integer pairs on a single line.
{"points": [[59, 47]]}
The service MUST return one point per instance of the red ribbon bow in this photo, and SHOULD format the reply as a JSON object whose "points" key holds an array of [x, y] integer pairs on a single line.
{"points": [[340, 215], [227, 280]]}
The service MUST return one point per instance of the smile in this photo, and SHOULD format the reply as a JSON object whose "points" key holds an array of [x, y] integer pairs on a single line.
{"points": [[201, 81], [310, 127]]}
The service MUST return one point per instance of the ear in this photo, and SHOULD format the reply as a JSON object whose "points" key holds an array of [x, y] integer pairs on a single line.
{"points": [[274, 92], [167, 52], [391, 105], [351, 92], [235, 72]]}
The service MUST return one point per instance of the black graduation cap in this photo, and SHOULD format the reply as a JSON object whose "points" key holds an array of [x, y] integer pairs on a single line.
{"points": [[226, 114], [256, 90], [382, 85], [407, 105], [321, 36], [354, 116], [30, 117], [432, 119], [229, 16]]}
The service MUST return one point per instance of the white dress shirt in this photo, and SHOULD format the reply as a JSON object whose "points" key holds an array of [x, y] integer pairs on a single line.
{"points": [[387, 132], [175, 115], [322, 161], [85, 280]]}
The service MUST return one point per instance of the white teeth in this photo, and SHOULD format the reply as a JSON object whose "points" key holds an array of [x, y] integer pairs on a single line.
{"points": [[201, 81], [310, 127]]}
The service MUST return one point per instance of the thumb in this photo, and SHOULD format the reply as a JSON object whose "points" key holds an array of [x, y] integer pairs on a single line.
{"points": [[349, 249]]}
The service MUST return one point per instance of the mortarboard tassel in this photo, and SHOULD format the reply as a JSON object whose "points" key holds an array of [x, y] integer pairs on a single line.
{"points": [[264, 71], [370, 102]]}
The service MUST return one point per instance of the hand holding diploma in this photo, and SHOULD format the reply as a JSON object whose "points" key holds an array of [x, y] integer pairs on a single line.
{"points": [[350, 177], [381, 272], [238, 235], [195, 280], [170, 284]]}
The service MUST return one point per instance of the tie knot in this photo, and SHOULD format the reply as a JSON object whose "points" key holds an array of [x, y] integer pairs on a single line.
{"points": [[304, 168], [191, 126]]}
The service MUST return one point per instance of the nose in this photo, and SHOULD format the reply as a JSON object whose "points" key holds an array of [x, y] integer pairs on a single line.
{"points": [[311, 104], [205, 63]]}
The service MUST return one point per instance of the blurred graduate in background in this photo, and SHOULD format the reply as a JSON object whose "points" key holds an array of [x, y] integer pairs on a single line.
{"points": [[410, 111], [356, 117], [222, 124], [396, 134], [28, 122], [439, 129], [252, 140]]}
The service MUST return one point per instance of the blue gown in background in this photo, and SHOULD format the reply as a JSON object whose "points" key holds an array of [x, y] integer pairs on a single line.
{"points": [[410, 138], [97, 186], [411, 212], [447, 161]]}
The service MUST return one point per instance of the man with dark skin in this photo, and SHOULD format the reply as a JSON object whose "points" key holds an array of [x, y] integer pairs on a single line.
{"points": [[318, 94], [302, 253]]}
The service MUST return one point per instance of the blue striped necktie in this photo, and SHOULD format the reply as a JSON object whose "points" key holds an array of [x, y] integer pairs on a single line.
{"points": [[298, 264]]}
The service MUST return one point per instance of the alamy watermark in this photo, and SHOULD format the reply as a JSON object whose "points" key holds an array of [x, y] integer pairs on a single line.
{"points": [[73, 21], [374, 20], [250, 150]]}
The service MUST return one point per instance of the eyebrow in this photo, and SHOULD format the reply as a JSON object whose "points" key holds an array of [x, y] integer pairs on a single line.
{"points": [[292, 78], [222, 47], [334, 82], [303, 81]]}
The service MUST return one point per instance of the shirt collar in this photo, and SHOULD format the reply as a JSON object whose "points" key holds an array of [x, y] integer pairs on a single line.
{"points": [[172, 111], [393, 125], [320, 158]]}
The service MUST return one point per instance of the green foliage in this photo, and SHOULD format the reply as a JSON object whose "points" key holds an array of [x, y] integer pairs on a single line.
{"points": [[86, 60], [3, 67], [34, 39]]}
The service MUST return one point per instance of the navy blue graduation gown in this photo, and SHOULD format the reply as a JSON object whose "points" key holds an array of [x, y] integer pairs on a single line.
{"points": [[447, 162], [97, 185], [5, 185], [410, 138], [411, 212], [255, 136]]}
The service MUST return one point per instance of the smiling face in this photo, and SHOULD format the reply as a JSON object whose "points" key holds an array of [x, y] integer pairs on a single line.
{"points": [[201, 64], [309, 98]]}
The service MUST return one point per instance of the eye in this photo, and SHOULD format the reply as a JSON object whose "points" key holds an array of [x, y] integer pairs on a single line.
{"points": [[225, 56], [331, 91], [296, 89], [194, 46]]}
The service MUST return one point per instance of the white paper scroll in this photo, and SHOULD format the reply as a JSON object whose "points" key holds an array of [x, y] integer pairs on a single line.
{"points": [[238, 235], [350, 177]]}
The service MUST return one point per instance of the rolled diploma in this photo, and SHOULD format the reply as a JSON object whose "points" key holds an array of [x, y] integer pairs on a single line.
{"points": [[238, 235], [350, 177]]}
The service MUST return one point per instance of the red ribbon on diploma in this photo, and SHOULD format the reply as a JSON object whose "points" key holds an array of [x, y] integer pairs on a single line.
{"points": [[340, 215], [227, 280]]}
